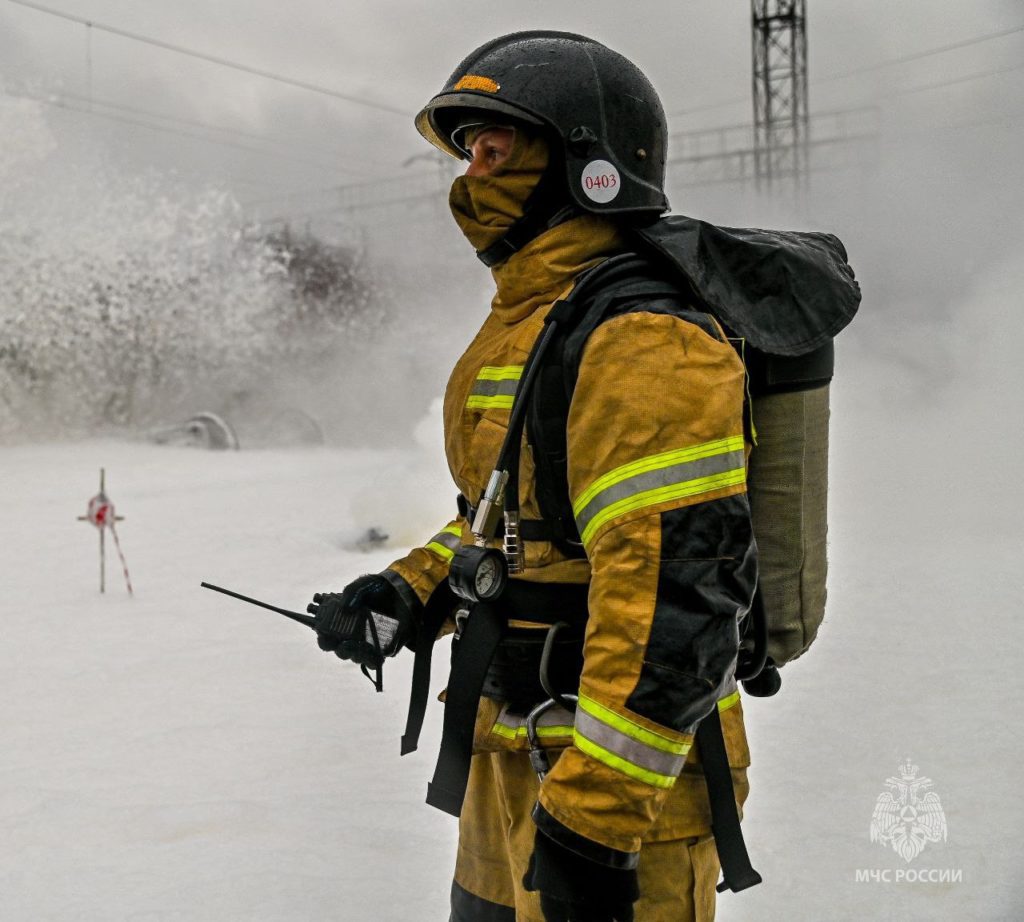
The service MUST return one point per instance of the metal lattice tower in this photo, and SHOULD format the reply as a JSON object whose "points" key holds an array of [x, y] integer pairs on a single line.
{"points": [[780, 90]]}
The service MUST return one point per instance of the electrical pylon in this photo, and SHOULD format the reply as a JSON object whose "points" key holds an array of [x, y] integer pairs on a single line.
{"points": [[780, 91]]}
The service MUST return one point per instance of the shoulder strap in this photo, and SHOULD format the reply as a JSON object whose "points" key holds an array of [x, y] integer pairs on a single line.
{"points": [[617, 285]]}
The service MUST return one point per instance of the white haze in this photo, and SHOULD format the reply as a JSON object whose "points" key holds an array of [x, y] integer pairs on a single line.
{"points": [[174, 757]]}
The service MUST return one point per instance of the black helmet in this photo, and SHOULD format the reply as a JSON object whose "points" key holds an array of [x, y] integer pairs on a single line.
{"points": [[603, 117]]}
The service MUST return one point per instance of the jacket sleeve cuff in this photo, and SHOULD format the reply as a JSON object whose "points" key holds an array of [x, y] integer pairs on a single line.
{"points": [[406, 594], [420, 572], [580, 845]]}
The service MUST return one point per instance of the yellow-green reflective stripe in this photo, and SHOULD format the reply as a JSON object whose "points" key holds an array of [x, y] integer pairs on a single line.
{"points": [[663, 495], [656, 462], [627, 727], [625, 747], [728, 701], [500, 373], [440, 550], [500, 402], [495, 387], [665, 477], [628, 747], [553, 723], [445, 542], [619, 764], [512, 733]]}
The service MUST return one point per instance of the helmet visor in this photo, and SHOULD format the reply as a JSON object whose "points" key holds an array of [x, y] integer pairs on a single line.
{"points": [[445, 118]]}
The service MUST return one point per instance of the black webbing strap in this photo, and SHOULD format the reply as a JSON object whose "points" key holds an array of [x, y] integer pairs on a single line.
{"points": [[541, 602], [480, 638], [737, 873], [532, 530], [545, 603], [439, 606]]}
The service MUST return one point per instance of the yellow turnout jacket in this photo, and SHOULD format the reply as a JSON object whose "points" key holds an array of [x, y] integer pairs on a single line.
{"points": [[657, 465]]}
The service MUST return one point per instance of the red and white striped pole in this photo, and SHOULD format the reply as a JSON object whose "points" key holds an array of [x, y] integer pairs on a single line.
{"points": [[102, 515]]}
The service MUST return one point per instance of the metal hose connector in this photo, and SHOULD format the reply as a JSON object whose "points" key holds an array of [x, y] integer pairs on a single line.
{"points": [[513, 545]]}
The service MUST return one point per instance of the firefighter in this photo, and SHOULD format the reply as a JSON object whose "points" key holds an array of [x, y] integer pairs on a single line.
{"points": [[565, 144]]}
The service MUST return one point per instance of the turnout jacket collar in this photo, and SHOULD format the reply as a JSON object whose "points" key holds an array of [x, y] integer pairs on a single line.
{"points": [[549, 264]]}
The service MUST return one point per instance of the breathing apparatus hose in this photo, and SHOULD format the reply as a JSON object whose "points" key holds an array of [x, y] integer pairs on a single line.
{"points": [[538, 756], [508, 457]]}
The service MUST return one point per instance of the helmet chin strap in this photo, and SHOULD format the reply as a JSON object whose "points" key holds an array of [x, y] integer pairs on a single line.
{"points": [[546, 207]]}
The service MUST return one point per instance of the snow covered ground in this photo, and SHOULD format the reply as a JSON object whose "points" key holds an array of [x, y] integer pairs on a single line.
{"points": [[183, 756]]}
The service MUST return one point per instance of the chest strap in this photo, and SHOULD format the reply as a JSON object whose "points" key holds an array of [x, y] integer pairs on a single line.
{"points": [[533, 530]]}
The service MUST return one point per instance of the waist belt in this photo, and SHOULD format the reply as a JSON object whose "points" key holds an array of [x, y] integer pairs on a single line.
{"points": [[513, 675], [472, 656], [545, 603]]}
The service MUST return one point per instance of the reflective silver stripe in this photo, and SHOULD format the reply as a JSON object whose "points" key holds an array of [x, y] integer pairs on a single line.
{"points": [[495, 388], [660, 478], [446, 543], [666, 764], [556, 722]]}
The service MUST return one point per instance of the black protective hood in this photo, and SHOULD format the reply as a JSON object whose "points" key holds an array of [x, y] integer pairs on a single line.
{"points": [[786, 292]]}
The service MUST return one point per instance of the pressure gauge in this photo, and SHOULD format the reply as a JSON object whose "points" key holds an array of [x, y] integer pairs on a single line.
{"points": [[478, 574]]}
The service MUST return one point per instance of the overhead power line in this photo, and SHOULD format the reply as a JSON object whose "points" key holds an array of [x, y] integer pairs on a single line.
{"points": [[914, 56], [927, 53], [195, 123], [966, 78], [707, 107], [61, 104], [1009, 120], [953, 82], [749, 126], [214, 59], [741, 126]]}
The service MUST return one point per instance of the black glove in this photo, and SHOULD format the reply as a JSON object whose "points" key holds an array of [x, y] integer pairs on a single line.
{"points": [[368, 621], [576, 889]]}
